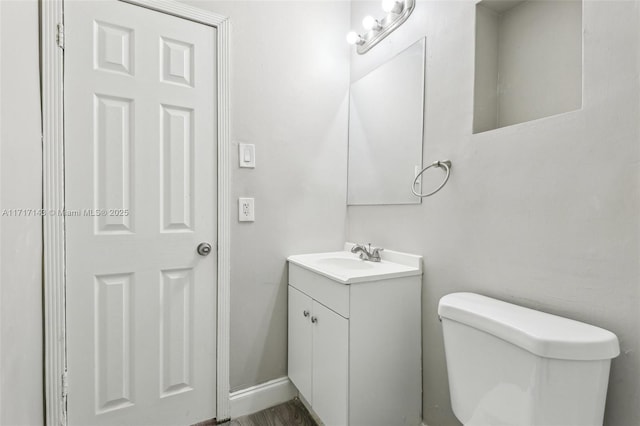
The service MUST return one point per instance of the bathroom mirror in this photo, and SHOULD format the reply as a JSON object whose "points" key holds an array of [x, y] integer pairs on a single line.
{"points": [[386, 115]]}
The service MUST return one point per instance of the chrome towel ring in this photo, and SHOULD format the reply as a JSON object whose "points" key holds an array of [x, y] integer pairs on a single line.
{"points": [[446, 164]]}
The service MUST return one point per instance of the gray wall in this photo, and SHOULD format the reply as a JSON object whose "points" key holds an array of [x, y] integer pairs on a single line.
{"points": [[544, 214], [289, 84], [21, 401]]}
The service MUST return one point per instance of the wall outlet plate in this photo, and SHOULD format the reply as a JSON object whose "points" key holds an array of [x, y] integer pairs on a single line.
{"points": [[246, 211], [247, 155]]}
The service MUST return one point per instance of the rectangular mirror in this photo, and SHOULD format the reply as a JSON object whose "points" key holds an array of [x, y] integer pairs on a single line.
{"points": [[386, 123]]}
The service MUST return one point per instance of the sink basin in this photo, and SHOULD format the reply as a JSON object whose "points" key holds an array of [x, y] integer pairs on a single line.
{"points": [[347, 268], [342, 263]]}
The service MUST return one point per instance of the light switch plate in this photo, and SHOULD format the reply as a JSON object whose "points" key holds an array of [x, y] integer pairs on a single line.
{"points": [[246, 210], [247, 155]]}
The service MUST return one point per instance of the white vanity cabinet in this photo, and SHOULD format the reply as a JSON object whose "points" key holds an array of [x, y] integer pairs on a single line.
{"points": [[355, 347]]}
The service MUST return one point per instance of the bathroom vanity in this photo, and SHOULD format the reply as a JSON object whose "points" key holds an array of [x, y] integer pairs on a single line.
{"points": [[355, 337]]}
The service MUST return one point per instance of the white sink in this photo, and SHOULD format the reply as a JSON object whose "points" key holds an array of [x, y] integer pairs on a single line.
{"points": [[347, 268], [342, 263]]}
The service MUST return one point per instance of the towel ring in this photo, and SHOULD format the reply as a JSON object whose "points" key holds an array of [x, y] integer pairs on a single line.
{"points": [[441, 164]]}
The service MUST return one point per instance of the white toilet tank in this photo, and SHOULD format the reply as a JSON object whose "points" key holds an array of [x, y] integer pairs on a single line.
{"points": [[510, 365]]}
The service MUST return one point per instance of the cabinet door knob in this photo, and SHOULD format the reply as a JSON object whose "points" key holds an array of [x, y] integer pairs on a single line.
{"points": [[305, 313], [314, 320]]}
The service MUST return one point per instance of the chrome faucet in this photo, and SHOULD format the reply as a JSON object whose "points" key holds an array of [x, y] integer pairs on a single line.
{"points": [[372, 255]]}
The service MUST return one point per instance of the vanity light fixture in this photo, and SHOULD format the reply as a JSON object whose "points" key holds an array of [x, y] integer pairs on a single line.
{"points": [[392, 6], [355, 38], [397, 12], [370, 23]]}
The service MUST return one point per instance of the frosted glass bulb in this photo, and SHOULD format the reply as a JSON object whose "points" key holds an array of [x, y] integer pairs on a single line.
{"points": [[369, 23], [353, 37], [392, 6]]}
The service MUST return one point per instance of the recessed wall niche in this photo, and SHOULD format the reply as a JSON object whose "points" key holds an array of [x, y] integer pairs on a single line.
{"points": [[528, 61]]}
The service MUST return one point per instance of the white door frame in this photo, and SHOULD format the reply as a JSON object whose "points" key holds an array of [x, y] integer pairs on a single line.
{"points": [[52, 47]]}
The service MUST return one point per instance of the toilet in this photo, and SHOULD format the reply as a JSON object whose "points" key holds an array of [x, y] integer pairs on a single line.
{"points": [[510, 365]]}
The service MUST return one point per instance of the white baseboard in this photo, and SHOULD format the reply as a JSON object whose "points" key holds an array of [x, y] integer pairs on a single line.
{"points": [[265, 395]]}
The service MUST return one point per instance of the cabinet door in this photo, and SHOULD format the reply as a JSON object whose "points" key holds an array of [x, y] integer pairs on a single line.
{"points": [[330, 365], [300, 341]]}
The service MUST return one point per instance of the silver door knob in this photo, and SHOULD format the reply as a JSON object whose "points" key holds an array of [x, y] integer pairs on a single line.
{"points": [[204, 249]]}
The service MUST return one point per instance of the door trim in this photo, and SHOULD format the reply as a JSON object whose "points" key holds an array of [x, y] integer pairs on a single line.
{"points": [[52, 73]]}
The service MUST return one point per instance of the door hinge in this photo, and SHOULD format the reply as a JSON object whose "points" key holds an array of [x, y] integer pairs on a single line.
{"points": [[60, 36], [65, 384], [63, 399]]}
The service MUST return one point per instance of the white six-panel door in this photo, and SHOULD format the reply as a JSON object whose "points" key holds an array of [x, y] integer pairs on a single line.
{"points": [[140, 171]]}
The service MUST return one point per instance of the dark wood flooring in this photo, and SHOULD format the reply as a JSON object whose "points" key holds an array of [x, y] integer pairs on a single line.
{"points": [[291, 413]]}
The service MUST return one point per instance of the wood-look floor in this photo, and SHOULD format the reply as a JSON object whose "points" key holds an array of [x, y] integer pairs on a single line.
{"points": [[291, 413]]}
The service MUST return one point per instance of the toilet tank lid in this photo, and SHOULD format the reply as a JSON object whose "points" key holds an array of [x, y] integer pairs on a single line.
{"points": [[543, 334]]}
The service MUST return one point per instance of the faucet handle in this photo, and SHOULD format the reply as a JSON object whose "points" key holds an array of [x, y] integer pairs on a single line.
{"points": [[375, 254]]}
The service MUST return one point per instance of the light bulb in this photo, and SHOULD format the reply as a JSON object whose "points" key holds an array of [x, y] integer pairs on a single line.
{"points": [[370, 23], [354, 38], [392, 6]]}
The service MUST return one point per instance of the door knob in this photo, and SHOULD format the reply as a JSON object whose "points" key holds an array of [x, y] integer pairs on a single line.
{"points": [[204, 249]]}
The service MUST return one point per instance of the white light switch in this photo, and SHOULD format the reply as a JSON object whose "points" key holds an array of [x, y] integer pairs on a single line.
{"points": [[246, 211], [247, 155]]}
